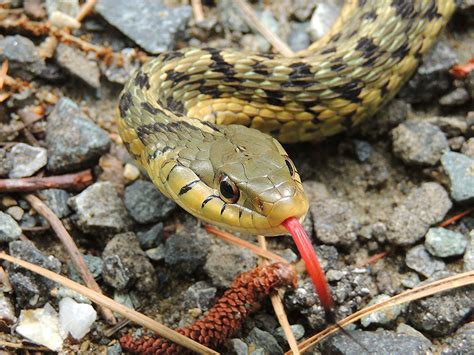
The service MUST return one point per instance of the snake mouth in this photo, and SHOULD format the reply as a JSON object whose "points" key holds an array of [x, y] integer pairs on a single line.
{"points": [[313, 266], [295, 206]]}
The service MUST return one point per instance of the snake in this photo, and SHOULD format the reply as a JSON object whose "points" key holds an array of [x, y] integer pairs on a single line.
{"points": [[207, 125]]}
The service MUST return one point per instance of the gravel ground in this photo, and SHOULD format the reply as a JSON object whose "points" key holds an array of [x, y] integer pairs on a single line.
{"points": [[383, 188]]}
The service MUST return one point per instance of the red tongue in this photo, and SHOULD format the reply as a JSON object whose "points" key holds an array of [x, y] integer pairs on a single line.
{"points": [[312, 264]]}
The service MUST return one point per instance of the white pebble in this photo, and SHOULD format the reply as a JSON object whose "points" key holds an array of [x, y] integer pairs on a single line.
{"points": [[76, 318], [131, 172], [26, 160]]}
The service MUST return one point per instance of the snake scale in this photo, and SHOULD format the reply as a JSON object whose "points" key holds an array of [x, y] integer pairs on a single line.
{"points": [[204, 122]]}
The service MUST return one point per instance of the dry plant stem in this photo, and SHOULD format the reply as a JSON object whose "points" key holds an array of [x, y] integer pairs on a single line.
{"points": [[455, 218], [71, 248], [446, 284], [3, 72], [278, 306], [241, 299], [254, 22], [197, 10], [106, 302], [85, 10], [244, 244], [21, 346], [77, 181]]}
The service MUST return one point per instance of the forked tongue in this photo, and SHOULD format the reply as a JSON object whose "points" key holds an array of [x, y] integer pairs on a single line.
{"points": [[313, 267]]}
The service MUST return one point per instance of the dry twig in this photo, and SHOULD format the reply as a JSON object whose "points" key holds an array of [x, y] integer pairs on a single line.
{"points": [[197, 10], [85, 10], [455, 218], [71, 248], [76, 181]]}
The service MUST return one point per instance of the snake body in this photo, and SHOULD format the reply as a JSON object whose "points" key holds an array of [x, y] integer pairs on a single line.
{"points": [[200, 121]]}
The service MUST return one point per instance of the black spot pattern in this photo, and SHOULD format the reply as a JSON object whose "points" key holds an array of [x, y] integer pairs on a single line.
{"points": [[402, 51], [125, 103], [142, 80], [187, 187], [274, 97], [350, 91], [329, 50], [171, 55], [147, 107], [260, 68], [370, 15], [176, 77], [174, 106], [300, 75], [366, 46], [404, 8], [432, 12], [221, 66]]}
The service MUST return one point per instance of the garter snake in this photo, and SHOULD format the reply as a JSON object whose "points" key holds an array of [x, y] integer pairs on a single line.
{"points": [[200, 121]]}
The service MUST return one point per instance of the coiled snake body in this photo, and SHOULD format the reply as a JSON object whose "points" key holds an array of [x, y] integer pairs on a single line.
{"points": [[184, 115]]}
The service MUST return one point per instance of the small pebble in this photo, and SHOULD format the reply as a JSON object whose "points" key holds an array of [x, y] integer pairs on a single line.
{"points": [[94, 264], [200, 295], [264, 340], [57, 201], [115, 274], [462, 342], [299, 38], [75, 62], [457, 97], [297, 329], [76, 318], [41, 326], [469, 254], [403, 328], [7, 310], [16, 212], [9, 228], [68, 7], [363, 150], [238, 347], [452, 126], [5, 163], [418, 259], [156, 254], [151, 237], [131, 172], [443, 243], [23, 58], [323, 18], [383, 317], [26, 160], [410, 279], [468, 148], [419, 143], [460, 171], [456, 143]]}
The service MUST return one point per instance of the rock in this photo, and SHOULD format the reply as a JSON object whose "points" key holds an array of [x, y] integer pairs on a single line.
{"points": [[423, 207], [452, 126], [152, 35], [9, 228], [456, 143], [26, 160], [56, 200], [64, 292], [119, 70], [5, 163], [78, 65], [150, 238], [443, 243], [68, 7], [362, 150], [23, 58], [186, 251], [262, 339], [200, 295], [269, 21], [334, 221], [469, 254], [457, 97], [125, 246], [237, 347], [378, 342], [460, 171], [76, 318], [316, 190], [323, 18], [297, 329], [41, 326], [99, 210], [94, 264], [432, 77], [462, 342], [156, 254], [468, 148], [131, 172], [146, 204], [383, 317], [7, 310], [403, 328], [442, 313], [303, 9], [231, 17], [299, 38], [419, 143], [73, 140], [418, 259], [115, 273], [31, 289], [16, 212], [225, 262], [410, 279]]}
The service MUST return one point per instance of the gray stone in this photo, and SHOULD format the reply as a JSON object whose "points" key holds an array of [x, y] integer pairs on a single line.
{"points": [[125, 246], [23, 58], [31, 290], [26, 160], [468, 148], [264, 340], [115, 274], [382, 317], [99, 210], [120, 70], [231, 17], [94, 264], [159, 25], [156, 254], [334, 222], [56, 200], [452, 126], [432, 77], [419, 143], [225, 262], [9, 228], [151, 237], [115, 349], [418, 259], [469, 254], [381, 342], [146, 204], [403, 328], [423, 207], [200, 295], [78, 65], [323, 18], [299, 38], [462, 342], [442, 313], [456, 143], [410, 279], [362, 150], [7, 310], [5, 163], [443, 243], [237, 347], [303, 9], [457, 97], [68, 7], [297, 329], [73, 140], [460, 171]]}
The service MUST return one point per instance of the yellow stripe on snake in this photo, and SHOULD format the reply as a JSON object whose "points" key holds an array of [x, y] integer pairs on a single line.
{"points": [[184, 116]]}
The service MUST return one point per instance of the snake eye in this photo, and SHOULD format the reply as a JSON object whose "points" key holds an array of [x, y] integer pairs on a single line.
{"points": [[229, 190], [290, 166]]}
